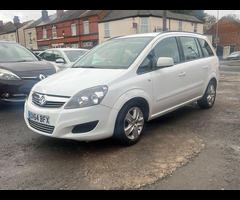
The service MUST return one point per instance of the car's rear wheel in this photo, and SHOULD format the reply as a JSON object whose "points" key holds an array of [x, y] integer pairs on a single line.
{"points": [[209, 96], [130, 123]]}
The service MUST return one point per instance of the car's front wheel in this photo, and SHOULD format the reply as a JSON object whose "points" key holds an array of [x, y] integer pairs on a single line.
{"points": [[130, 123]]}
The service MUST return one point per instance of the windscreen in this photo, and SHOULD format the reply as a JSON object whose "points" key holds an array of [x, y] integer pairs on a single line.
{"points": [[15, 53], [74, 55], [117, 53]]}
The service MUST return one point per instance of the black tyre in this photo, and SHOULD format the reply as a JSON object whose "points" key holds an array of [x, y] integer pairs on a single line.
{"points": [[130, 123], [209, 96]]}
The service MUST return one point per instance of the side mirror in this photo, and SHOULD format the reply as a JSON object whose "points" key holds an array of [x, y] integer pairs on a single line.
{"points": [[60, 60], [164, 62]]}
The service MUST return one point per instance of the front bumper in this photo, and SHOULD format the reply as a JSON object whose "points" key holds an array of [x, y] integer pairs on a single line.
{"points": [[15, 91], [66, 123]]}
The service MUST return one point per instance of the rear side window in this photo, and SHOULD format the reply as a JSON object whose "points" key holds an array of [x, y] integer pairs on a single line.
{"points": [[206, 49], [190, 48]]}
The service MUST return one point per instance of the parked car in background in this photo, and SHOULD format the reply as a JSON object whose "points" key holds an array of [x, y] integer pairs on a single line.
{"points": [[234, 56], [36, 52], [20, 69], [121, 84], [63, 57]]}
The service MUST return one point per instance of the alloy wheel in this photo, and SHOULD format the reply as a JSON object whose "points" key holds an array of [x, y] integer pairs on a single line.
{"points": [[133, 123]]}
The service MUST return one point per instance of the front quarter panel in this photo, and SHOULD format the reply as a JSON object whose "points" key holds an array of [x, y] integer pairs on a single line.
{"points": [[132, 87]]}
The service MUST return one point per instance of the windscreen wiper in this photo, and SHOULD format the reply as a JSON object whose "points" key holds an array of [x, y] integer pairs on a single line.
{"points": [[83, 67]]}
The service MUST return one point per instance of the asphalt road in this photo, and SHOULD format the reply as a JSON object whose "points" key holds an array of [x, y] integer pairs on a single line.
{"points": [[190, 148], [217, 166]]}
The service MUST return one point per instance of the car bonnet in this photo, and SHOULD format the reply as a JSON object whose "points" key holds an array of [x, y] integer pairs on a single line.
{"points": [[29, 69], [70, 81]]}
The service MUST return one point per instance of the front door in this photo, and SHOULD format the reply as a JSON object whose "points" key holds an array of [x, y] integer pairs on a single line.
{"points": [[169, 82]]}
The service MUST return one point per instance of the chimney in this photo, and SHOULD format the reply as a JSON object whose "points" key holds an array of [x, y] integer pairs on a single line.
{"points": [[1, 23], [59, 13], [44, 15], [16, 20]]}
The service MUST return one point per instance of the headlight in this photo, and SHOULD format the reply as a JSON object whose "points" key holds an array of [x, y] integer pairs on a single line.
{"points": [[88, 97], [7, 75]]}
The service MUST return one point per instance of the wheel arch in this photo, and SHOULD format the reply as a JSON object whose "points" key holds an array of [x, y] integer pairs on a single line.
{"points": [[135, 95], [214, 80], [143, 102], [212, 77]]}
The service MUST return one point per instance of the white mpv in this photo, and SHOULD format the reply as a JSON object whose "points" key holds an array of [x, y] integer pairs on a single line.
{"points": [[113, 90]]}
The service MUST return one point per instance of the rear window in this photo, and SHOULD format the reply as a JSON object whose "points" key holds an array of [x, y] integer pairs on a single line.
{"points": [[206, 49]]}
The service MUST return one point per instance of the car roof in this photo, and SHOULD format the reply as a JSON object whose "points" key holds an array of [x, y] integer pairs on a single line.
{"points": [[155, 34], [64, 49], [143, 35]]}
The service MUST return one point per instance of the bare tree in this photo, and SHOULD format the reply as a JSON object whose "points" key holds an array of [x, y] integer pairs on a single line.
{"points": [[210, 20]]}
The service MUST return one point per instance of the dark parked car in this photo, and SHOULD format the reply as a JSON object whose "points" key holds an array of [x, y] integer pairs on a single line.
{"points": [[20, 69]]}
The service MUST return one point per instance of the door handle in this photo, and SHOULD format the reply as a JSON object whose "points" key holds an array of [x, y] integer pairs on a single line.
{"points": [[182, 74], [205, 67]]}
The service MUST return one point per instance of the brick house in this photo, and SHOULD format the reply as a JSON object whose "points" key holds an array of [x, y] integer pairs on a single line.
{"points": [[31, 33], [228, 36], [73, 28]]}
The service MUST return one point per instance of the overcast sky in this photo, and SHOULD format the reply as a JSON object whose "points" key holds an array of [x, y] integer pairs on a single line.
{"points": [[223, 13], [26, 15]]}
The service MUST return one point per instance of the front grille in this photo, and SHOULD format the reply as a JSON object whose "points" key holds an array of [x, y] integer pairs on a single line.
{"points": [[41, 127], [53, 104], [48, 101], [48, 104]]}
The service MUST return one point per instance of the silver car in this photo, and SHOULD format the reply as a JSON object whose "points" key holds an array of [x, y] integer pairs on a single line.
{"points": [[234, 56], [63, 57]]}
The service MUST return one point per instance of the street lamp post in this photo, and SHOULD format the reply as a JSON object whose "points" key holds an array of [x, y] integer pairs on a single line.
{"points": [[217, 30], [164, 20]]}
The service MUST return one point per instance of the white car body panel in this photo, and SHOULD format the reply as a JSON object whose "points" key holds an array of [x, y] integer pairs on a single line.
{"points": [[164, 90]]}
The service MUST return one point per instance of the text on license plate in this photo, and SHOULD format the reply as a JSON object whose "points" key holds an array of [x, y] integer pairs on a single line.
{"points": [[38, 118]]}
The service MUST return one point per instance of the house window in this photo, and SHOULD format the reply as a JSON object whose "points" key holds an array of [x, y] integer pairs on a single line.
{"points": [[74, 45], [180, 26], [106, 30], [85, 27], [87, 44], [43, 47], [73, 29], [195, 27], [12, 37], [54, 32], [30, 37], [144, 25], [44, 32]]}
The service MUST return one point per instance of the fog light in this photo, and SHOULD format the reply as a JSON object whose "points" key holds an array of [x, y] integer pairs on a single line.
{"points": [[86, 127], [5, 95]]}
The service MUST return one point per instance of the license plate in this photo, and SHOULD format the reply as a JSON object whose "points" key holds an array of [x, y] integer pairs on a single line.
{"points": [[44, 119]]}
